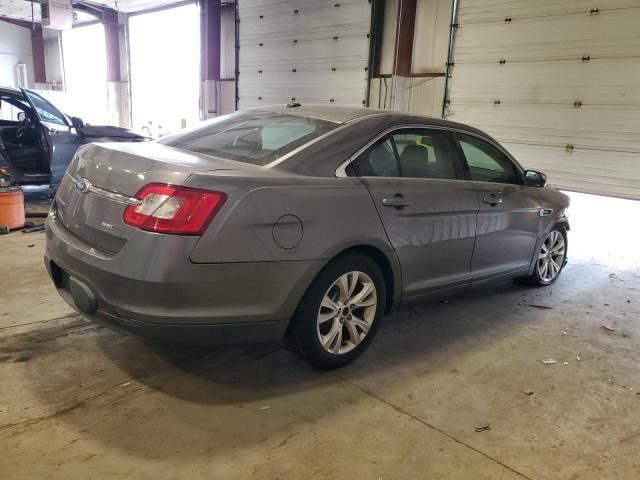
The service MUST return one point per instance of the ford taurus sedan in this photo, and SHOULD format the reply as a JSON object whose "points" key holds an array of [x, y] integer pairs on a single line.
{"points": [[302, 224]]}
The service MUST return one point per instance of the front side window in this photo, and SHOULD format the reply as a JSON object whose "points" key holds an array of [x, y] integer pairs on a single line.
{"points": [[258, 138], [486, 163], [12, 109], [409, 153], [46, 112]]}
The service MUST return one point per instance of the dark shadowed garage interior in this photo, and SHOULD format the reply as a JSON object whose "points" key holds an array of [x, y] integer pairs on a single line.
{"points": [[209, 208]]}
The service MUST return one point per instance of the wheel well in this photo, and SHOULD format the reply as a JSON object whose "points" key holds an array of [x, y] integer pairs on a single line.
{"points": [[383, 262]]}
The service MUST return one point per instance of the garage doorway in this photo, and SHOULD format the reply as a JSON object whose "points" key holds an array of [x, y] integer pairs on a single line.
{"points": [[165, 69], [85, 73]]}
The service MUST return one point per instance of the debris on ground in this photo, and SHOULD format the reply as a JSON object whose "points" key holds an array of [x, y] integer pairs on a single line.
{"points": [[527, 392], [443, 300], [549, 361], [607, 328], [483, 428], [31, 245], [545, 307], [564, 332], [606, 304], [265, 407], [612, 275], [578, 357], [566, 363]]}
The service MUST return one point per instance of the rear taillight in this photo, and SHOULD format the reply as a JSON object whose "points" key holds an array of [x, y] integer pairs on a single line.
{"points": [[173, 209]]}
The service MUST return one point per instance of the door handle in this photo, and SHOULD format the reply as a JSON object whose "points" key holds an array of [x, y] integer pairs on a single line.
{"points": [[397, 201], [492, 199], [545, 212]]}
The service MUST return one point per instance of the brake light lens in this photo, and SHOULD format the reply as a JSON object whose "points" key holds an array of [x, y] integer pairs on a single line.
{"points": [[173, 209]]}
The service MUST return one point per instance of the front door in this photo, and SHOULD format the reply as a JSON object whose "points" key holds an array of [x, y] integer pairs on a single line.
{"points": [[428, 210], [62, 139], [509, 212]]}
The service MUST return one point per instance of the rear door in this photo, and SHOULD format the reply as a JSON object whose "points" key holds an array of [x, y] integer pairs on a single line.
{"points": [[428, 210], [509, 212], [62, 139]]}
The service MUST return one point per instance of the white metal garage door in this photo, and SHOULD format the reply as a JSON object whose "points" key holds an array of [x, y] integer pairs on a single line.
{"points": [[558, 82], [308, 51]]}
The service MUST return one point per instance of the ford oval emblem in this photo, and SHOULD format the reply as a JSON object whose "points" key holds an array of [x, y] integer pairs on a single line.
{"points": [[82, 184]]}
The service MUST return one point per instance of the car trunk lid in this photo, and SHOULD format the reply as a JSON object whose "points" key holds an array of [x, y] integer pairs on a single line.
{"points": [[103, 179]]}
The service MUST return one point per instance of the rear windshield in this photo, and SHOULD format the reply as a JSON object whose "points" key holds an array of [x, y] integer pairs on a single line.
{"points": [[252, 137]]}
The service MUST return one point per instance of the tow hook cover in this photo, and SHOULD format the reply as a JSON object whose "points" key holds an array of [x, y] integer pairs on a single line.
{"points": [[82, 296]]}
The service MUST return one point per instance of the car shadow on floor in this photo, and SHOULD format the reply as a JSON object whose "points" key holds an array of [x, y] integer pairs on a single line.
{"points": [[424, 332], [220, 398]]}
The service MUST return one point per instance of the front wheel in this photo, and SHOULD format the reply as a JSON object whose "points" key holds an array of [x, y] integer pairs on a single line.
{"points": [[340, 312], [550, 259]]}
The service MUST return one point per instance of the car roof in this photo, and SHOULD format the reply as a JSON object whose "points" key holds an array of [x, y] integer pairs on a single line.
{"points": [[328, 113], [345, 114]]}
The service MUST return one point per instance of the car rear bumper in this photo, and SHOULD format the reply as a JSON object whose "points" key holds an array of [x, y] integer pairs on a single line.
{"points": [[172, 299]]}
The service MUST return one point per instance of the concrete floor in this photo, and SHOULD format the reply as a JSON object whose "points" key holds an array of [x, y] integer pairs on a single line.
{"points": [[78, 401]]}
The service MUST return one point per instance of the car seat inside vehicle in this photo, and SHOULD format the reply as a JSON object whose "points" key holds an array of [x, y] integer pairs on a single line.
{"points": [[21, 139]]}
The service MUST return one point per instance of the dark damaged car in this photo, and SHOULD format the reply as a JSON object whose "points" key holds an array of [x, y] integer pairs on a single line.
{"points": [[37, 140]]}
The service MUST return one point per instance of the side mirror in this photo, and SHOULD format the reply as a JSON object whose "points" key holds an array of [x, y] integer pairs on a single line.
{"points": [[535, 179], [77, 122], [22, 116]]}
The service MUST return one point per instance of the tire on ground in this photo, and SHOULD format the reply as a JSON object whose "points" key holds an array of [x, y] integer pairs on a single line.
{"points": [[302, 337]]}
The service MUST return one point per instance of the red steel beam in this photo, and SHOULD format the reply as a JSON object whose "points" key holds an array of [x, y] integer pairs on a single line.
{"points": [[405, 30]]}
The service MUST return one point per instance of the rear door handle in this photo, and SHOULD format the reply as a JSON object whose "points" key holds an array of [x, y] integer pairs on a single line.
{"points": [[397, 201], [492, 199]]}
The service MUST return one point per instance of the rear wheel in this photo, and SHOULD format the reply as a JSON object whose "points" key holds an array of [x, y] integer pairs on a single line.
{"points": [[550, 259], [340, 313]]}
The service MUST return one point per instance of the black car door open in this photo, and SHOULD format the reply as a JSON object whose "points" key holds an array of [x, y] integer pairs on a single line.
{"points": [[62, 139]]}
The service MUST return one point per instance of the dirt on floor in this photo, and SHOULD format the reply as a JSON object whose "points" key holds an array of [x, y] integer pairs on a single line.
{"points": [[506, 382]]}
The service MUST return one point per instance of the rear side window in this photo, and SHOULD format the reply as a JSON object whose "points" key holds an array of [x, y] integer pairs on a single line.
{"points": [[486, 163], [254, 137], [426, 154], [379, 160], [410, 153]]}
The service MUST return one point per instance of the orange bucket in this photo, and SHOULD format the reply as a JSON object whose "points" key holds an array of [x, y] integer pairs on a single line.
{"points": [[11, 207]]}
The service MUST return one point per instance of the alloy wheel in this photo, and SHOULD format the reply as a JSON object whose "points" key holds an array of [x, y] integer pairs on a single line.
{"points": [[551, 256], [346, 312]]}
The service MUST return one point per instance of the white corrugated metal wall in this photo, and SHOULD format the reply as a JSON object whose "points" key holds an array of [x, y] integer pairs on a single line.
{"points": [[308, 51], [423, 92], [558, 83]]}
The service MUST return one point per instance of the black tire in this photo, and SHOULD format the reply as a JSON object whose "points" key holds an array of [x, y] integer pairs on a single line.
{"points": [[535, 279], [303, 337]]}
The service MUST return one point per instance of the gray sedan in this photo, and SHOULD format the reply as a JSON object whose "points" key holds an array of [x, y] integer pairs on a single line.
{"points": [[302, 224]]}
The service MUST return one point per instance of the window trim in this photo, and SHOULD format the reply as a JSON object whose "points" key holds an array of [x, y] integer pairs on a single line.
{"points": [[341, 172]]}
